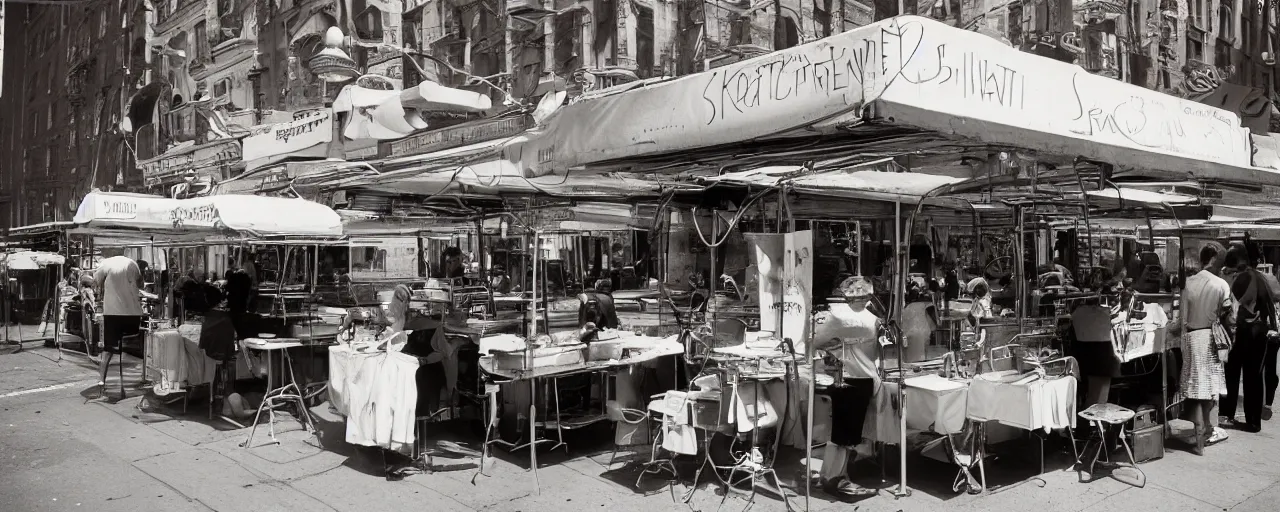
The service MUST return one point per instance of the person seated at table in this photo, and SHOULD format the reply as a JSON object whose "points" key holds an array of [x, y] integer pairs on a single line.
{"points": [[450, 265], [87, 295], [597, 307], [239, 292], [849, 334], [499, 281], [981, 308], [198, 296]]}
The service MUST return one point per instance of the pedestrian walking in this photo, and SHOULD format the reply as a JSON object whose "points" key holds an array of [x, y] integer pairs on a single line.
{"points": [[119, 280], [1207, 300], [1255, 322]]}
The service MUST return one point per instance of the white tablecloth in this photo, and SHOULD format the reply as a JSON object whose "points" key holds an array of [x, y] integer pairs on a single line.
{"points": [[1040, 403], [942, 405], [174, 359], [935, 403]]}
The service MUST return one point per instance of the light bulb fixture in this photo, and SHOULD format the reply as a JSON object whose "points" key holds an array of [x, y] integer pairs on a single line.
{"points": [[332, 64]]}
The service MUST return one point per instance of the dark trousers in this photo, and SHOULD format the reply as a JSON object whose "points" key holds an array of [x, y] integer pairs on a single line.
{"points": [[1273, 378], [1246, 363]]}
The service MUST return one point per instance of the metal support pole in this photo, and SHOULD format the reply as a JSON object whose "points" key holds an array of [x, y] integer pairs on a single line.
{"points": [[808, 445], [533, 321], [899, 302], [1019, 280]]}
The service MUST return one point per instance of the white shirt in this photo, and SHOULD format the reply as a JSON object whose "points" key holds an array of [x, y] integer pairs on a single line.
{"points": [[1203, 297], [857, 331], [119, 279]]}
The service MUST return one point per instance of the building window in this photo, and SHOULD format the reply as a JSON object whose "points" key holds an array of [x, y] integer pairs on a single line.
{"points": [[646, 52], [221, 88], [1246, 39], [1195, 49], [202, 42], [1226, 23], [368, 21], [568, 42], [1197, 13]]}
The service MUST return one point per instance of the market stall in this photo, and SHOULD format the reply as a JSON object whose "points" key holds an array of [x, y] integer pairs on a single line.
{"points": [[196, 233], [31, 285], [855, 161]]}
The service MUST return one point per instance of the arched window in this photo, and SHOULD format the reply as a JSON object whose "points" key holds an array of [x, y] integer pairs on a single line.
{"points": [[368, 21], [791, 33], [1226, 23]]}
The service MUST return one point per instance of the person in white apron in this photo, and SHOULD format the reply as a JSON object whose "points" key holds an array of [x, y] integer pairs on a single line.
{"points": [[849, 333]]}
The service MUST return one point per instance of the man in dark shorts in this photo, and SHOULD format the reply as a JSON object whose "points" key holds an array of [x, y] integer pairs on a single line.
{"points": [[119, 280]]}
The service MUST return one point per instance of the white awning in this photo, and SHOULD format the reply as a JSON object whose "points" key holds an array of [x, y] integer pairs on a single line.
{"points": [[1132, 197], [851, 183], [385, 115], [907, 71], [1222, 213], [31, 260], [245, 215]]}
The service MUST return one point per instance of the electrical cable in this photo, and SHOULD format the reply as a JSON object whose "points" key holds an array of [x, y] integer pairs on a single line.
{"points": [[732, 223]]}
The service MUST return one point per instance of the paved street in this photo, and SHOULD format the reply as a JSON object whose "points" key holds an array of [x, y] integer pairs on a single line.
{"points": [[63, 452]]}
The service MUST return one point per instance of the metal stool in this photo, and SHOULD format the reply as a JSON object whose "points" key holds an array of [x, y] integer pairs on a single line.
{"points": [[1102, 417]]}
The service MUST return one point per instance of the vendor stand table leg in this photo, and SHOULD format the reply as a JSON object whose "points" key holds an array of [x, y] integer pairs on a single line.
{"points": [[491, 420], [1039, 478], [278, 397], [755, 470]]}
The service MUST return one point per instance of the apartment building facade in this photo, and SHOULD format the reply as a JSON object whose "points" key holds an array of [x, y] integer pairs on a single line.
{"points": [[161, 95], [69, 73]]}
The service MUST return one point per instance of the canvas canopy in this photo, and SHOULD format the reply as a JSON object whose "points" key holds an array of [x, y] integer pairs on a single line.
{"points": [[244, 215], [31, 260], [908, 72]]}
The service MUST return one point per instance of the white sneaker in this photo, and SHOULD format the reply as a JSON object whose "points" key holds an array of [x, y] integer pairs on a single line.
{"points": [[1219, 435]]}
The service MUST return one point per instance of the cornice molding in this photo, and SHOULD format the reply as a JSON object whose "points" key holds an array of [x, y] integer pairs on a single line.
{"points": [[215, 67], [184, 19]]}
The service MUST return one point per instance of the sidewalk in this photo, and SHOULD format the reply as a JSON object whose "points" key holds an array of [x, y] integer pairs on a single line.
{"points": [[65, 454]]}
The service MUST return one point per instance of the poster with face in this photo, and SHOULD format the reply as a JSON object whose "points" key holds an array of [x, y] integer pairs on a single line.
{"points": [[767, 253]]}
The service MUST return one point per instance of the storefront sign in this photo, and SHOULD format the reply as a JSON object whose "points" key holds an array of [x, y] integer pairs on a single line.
{"points": [[200, 215], [383, 258], [920, 72], [309, 130], [116, 208], [457, 136], [208, 158]]}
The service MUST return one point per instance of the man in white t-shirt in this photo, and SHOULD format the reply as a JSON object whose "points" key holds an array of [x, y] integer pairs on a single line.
{"points": [[119, 280]]}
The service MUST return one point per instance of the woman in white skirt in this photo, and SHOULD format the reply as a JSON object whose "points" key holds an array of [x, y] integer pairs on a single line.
{"points": [[1206, 300]]}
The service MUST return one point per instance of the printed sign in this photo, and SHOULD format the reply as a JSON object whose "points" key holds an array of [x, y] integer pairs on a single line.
{"points": [[208, 158], [201, 215], [384, 258], [284, 138], [116, 208], [457, 136]]}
